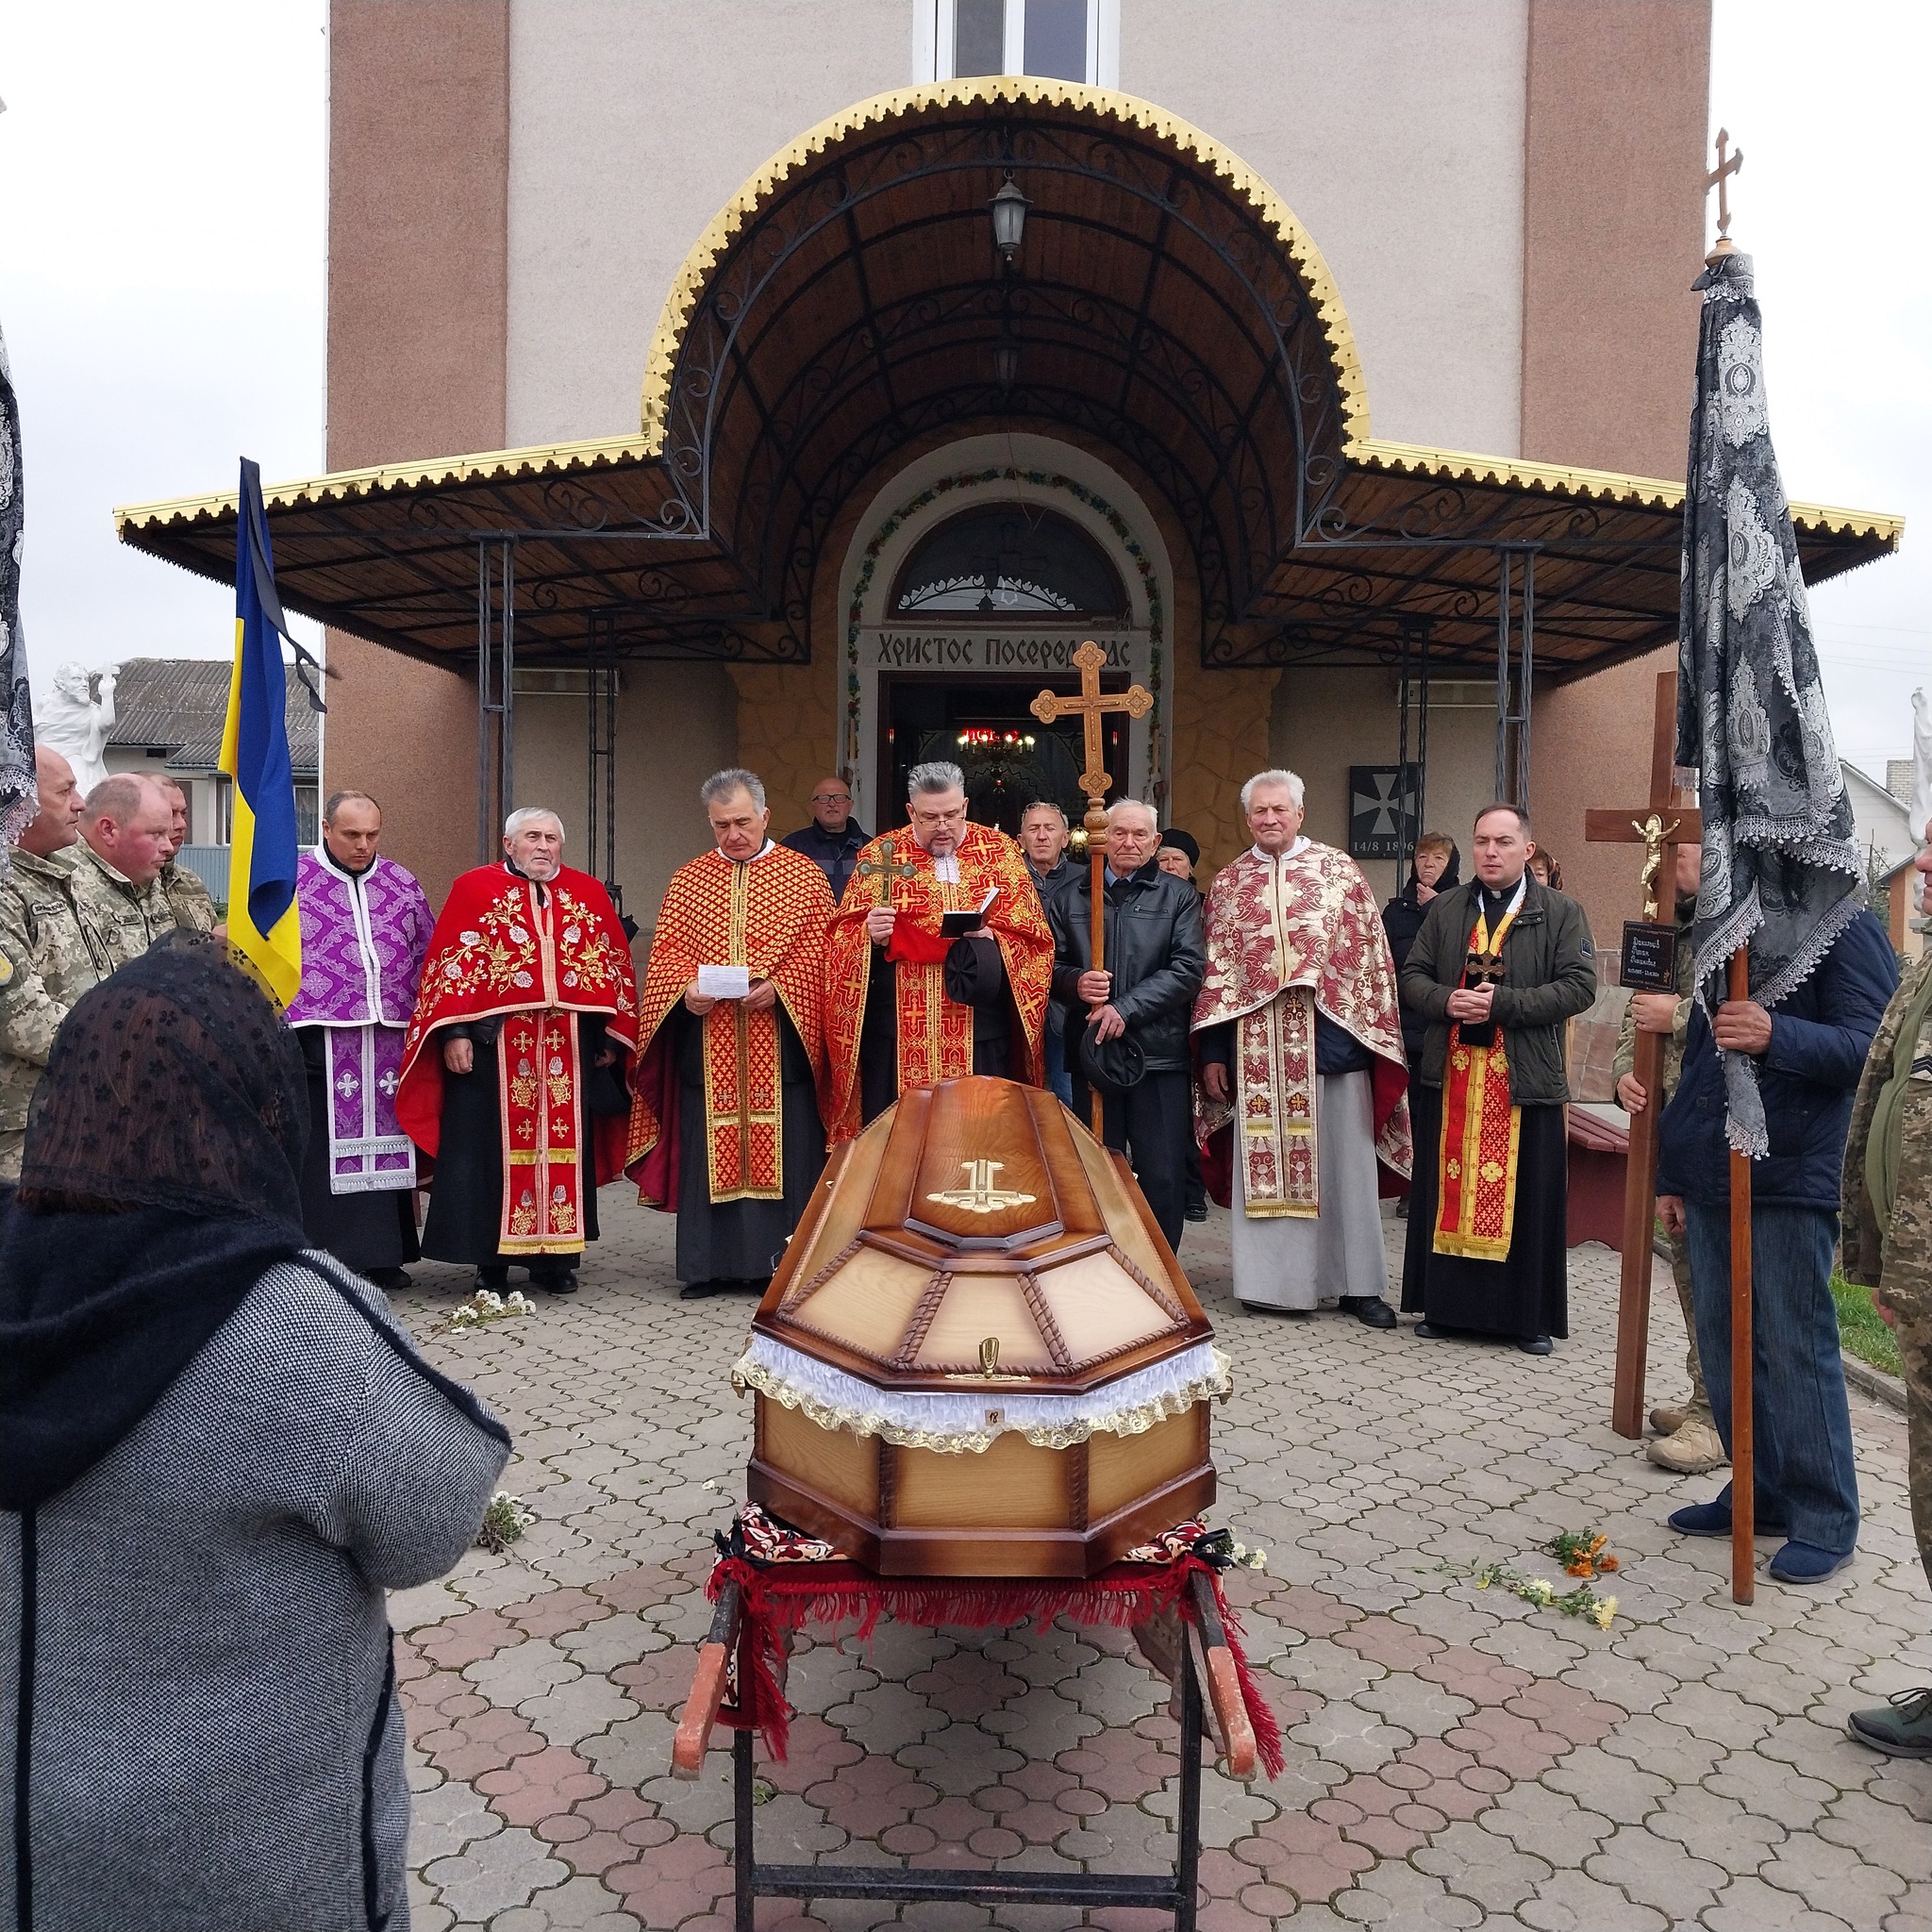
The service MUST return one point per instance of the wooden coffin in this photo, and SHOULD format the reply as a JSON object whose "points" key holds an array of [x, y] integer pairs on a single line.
{"points": [[979, 1358]]}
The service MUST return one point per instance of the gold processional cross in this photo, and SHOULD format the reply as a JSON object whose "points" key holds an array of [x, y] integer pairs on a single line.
{"points": [[885, 873], [1088, 707]]}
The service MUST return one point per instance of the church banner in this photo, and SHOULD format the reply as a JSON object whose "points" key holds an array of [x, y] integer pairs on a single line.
{"points": [[995, 649]]}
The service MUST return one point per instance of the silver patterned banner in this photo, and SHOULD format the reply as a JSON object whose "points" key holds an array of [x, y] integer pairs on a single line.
{"points": [[1780, 861], [19, 795]]}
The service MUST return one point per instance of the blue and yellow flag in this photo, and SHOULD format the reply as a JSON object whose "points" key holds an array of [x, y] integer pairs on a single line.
{"points": [[263, 924]]}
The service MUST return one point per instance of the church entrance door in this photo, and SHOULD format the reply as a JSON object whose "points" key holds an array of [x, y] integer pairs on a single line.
{"points": [[984, 727]]}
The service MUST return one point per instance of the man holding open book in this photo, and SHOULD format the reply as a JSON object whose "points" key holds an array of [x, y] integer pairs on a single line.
{"points": [[939, 962]]}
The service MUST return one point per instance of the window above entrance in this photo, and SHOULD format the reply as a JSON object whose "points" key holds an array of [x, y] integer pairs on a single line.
{"points": [[1010, 559], [1056, 40]]}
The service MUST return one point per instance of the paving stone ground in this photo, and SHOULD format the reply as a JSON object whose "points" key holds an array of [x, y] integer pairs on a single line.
{"points": [[1454, 1758]]}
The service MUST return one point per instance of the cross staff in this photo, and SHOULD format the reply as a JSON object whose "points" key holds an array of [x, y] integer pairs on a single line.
{"points": [[885, 873], [1719, 178], [1659, 826], [1088, 707]]}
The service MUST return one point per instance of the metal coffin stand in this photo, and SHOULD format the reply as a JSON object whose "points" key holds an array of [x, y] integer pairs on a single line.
{"points": [[1174, 1891]]}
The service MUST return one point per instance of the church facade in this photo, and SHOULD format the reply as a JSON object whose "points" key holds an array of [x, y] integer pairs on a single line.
{"points": [[802, 452]]}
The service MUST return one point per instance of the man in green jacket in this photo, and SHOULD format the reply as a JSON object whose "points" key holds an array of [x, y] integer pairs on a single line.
{"points": [[1501, 964], [1886, 1244]]}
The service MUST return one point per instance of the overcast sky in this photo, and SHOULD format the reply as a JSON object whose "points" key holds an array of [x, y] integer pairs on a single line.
{"points": [[161, 169]]}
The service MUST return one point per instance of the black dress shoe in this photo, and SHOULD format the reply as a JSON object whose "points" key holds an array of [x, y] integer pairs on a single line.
{"points": [[1535, 1344], [1371, 1310], [703, 1290], [560, 1281], [1195, 1211], [494, 1279], [1429, 1333], [390, 1280]]}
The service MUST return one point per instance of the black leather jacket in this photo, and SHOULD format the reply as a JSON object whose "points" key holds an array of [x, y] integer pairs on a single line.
{"points": [[1155, 949]]}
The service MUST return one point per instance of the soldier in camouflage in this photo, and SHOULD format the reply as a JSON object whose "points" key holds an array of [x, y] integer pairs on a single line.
{"points": [[55, 959], [1687, 1438], [126, 829], [1886, 1245], [188, 898]]}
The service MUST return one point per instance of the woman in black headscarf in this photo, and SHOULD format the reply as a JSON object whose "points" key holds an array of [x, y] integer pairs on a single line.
{"points": [[1436, 866], [217, 1451]]}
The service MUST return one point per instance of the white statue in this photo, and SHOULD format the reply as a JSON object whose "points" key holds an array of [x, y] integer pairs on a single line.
{"points": [[1921, 806], [75, 723]]}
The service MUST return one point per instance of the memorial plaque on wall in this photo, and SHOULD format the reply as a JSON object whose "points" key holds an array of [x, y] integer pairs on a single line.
{"points": [[1382, 811], [1649, 962]]}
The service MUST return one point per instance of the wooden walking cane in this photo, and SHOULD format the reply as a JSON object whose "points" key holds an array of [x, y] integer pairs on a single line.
{"points": [[1743, 1486], [1087, 708]]}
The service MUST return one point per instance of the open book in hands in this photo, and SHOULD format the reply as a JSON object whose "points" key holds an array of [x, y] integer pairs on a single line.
{"points": [[956, 925]]}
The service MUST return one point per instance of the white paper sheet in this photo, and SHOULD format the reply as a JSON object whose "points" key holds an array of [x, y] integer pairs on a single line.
{"points": [[724, 982]]}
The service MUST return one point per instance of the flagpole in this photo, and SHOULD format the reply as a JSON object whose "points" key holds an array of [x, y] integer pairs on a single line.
{"points": [[1743, 1487]]}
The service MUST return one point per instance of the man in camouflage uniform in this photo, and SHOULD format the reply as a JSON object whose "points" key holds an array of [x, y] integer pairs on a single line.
{"points": [[126, 831], [1687, 1440], [55, 959], [188, 898], [1894, 1258]]}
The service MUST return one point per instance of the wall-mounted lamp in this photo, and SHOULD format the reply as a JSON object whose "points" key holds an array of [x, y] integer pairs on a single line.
{"points": [[1008, 210]]}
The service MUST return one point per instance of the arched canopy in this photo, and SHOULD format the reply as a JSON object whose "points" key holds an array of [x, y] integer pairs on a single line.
{"points": [[849, 302]]}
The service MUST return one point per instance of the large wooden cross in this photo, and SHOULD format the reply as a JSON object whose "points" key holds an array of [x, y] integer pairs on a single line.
{"points": [[1090, 707], [1719, 178], [1660, 826]]}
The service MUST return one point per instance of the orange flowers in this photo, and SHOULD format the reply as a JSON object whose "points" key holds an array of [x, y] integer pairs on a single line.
{"points": [[1585, 1554]]}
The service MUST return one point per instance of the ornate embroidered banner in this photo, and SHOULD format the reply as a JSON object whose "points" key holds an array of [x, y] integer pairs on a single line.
{"points": [[538, 1081], [1276, 1108]]}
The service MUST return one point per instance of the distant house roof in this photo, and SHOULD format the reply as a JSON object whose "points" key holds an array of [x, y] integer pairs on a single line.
{"points": [[1880, 820], [182, 702]]}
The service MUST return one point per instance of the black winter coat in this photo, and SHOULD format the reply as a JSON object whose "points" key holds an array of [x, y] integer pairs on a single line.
{"points": [[1402, 919], [1155, 950]]}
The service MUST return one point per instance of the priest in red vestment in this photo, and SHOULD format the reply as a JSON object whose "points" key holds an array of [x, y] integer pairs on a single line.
{"points": [[906, 1003], [725, 1129], [1302, 1102], [516, 1065]]}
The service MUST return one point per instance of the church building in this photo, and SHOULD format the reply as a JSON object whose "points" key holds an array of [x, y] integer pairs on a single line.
{"points": [[797, 383]]}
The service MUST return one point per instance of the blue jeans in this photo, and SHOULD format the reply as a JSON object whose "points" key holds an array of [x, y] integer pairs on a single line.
{"points": [[1057, 1079], [1802, 1424]]}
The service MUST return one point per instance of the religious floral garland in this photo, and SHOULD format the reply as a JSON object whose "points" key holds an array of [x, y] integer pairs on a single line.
{"points": [[971, 1421], [1039, 479]]}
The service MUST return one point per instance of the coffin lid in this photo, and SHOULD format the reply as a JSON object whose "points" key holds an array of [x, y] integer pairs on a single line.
{"points": [[976, 1224]]}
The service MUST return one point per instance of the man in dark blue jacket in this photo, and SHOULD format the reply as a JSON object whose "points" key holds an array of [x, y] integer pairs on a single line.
{"points": [[1809, 1052], [834, 839]]}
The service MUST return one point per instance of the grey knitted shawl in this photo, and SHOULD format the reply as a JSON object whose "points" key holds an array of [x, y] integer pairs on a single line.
{"points": [[1780, 863]]}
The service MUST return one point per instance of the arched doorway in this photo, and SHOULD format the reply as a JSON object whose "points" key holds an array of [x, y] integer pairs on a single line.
{"points": [[970, 580]]}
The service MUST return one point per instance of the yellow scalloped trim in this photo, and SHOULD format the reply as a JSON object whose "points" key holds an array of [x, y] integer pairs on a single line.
{"points": [[1566, 479], [687, 290]]}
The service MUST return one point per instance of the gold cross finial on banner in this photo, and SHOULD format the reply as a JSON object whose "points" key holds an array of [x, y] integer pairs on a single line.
{"points": [[1719, 178]]}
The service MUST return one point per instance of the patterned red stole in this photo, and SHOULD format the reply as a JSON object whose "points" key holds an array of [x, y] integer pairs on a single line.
{"points": [[1482, 1134]]}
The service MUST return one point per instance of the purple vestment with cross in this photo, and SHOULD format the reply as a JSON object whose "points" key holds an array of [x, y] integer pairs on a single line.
{"points": [[363, 937]]}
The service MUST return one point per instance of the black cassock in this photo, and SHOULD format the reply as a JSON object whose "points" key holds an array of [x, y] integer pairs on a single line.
{"points": [[465, 1218], [740, 1240], [975, 977], [363, 1231]]}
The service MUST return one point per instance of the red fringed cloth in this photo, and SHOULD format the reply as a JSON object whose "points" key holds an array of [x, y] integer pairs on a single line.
{"points": [[788, 1596]]}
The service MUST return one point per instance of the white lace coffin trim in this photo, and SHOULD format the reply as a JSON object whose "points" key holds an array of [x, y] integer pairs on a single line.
{"points": [[972, 1421]]}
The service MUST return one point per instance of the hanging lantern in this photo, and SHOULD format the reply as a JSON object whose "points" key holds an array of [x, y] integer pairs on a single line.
{"points": [[1008, 210]]}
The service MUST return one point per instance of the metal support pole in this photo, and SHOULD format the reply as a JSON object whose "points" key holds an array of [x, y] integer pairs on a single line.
{"points": [[495, 689], [1187, 1867], [506, 727], [1502, 676], [743, 1797], [1405, 837], [484, 627], [1523, 681], [1421, 734]]}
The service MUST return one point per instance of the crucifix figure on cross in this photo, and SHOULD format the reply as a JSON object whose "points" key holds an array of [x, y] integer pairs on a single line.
{"points": [[1090, 707]]}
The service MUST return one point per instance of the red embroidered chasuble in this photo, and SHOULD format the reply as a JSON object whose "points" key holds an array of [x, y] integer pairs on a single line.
{"points": [[506, 950], [769, 916], [1482, 1135], [1285, 937], [935, 1033]]}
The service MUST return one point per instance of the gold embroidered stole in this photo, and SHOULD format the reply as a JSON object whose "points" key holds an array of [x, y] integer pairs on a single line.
{"points": [[1275, 1088], [1481, 1138], [539, 1077], [744, 1145]]}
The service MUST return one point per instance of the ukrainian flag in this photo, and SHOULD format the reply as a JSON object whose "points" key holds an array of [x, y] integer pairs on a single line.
{"points": [[263, 924]]}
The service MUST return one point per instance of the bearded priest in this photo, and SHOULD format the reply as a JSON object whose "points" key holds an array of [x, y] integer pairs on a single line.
{"points": [[1302, 1104], [907, 1004], [726, 1130], [516, 1063], [365, 927]]}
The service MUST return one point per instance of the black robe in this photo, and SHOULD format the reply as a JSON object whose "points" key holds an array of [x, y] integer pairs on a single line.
{"points": [[465, 1218], [363, 1231], [975, 977], [742, 1241]]}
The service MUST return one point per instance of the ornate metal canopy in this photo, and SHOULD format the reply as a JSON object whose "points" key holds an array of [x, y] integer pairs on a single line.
{"points": [[850, 302]]}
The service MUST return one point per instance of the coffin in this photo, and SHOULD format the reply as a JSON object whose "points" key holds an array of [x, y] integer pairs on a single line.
{"points": [[979, 1358]]}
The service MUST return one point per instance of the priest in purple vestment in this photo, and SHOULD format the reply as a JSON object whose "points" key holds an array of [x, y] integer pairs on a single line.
{"points": [[365, 927]]}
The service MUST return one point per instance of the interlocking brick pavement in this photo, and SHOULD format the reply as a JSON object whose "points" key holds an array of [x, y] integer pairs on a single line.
{"points": [[1455, 1758]]}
